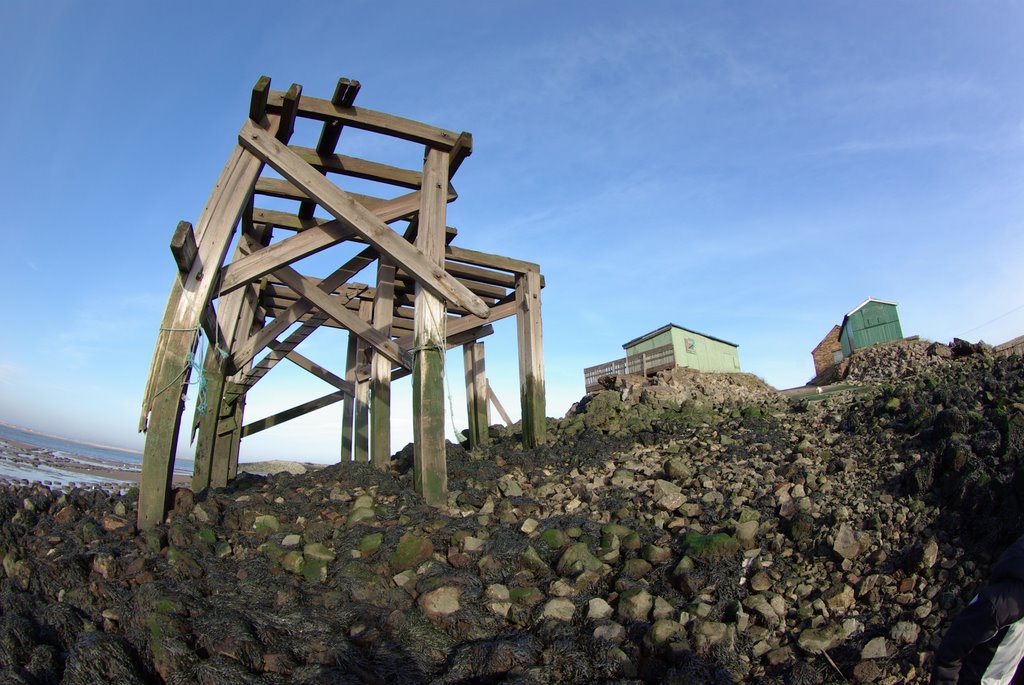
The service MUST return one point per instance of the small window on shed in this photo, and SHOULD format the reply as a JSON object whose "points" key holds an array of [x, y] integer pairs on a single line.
{"points": [[837, 356], [691, 345]]}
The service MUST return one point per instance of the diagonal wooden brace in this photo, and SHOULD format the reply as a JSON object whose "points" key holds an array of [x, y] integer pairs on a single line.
{"points": [[429, 275]]}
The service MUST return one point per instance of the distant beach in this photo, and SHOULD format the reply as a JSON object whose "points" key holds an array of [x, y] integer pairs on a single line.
{"points": [[28, 456]]}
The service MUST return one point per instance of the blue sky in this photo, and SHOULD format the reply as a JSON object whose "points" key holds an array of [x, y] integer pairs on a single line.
{"points": [[750, 170]]}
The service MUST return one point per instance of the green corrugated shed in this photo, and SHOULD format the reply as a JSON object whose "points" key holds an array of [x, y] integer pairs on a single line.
{"points": [[870, 323], [692, 349]]}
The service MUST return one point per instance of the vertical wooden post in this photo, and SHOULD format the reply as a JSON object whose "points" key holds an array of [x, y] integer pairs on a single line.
{"points": [[216, 225], [477, 404], [380, 375], [430, 468], [531, 358], [224, 460], [361, 406], [236, 312], [348, 404]]}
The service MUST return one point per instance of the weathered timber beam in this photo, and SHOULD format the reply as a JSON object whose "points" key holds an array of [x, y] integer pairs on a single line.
{"points": [[330, 306], [215, 228], [310, 241], [360, 168], [430, 471], [497, 404], [184, 248], [293, 413], [279, 350], [516, 266], [458, 325], [344, 95], [320, 372], [369, 120], [280, 323], [407, 284], [377, 233]]}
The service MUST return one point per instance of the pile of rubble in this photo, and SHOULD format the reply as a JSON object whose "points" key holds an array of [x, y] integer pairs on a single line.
{"points": [[672, 537]]}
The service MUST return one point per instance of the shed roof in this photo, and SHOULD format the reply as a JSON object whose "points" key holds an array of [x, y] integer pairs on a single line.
{"points": [[659, 331], [870, 299]]}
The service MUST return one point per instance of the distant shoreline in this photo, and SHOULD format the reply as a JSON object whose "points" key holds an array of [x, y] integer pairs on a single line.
{"points": [[77, 441]]}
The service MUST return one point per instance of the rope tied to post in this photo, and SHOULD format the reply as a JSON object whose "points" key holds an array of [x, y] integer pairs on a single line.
{"points": [[195, 361]]}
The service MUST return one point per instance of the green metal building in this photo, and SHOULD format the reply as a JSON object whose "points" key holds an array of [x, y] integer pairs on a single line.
{"points": [[870, 323], [690, 348]]}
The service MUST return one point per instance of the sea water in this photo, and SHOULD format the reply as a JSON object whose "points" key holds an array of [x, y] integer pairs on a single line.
{"points": [[55, 450]]}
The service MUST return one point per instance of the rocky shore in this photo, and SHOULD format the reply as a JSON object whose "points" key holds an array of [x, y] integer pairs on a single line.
{"points": [[681, 529]]}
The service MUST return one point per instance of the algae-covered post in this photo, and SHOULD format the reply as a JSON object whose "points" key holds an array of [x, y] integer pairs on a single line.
{"points": [[477, 405], [431, 471], [531, 358], [380, 382]]}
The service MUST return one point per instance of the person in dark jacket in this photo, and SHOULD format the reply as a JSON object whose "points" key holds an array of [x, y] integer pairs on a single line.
{"points": [[985, 643]]}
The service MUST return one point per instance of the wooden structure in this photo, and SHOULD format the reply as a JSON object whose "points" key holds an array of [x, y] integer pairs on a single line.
{"points": [[869, 323], [427, 295], [665, 348]]}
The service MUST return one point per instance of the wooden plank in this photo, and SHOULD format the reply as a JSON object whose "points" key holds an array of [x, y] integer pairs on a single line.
{"points": [[531, 359], [281, 323], [355, 167], [214, 231], [289, 109], [497, 405], [229, 434], [258, 101], [320, 372], [369, 120], [431, 275], [462, 149], [312, 240], [348, 408], [344, 95], [293, 413], [235, 310], [470, 336], [491, 261], [184, 248], [380, 375], [406, 283], [279, 350], [476, 393], [361, 405], [430, 471], [331, 306], [454, 326]]}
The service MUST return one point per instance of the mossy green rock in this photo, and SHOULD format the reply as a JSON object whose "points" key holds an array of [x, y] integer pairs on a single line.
{"points": [[577, 559], [635, 569], [532, 562], [266, 523], [315, 550], [707, 547], [361, 514], [207, 535], [554, 538], [631, 542], [527, 596], [411, 551], [616, 529], [369, 544], [293, 562]]}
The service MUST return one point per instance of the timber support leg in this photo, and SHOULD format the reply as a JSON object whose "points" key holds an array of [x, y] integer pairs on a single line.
{"points": [[531, 358], [430, 462], [477, 405]]}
